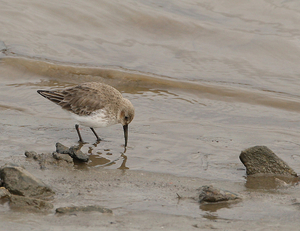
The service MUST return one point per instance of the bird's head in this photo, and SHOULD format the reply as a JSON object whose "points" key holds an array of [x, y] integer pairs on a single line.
{"points": [[125, 116]]}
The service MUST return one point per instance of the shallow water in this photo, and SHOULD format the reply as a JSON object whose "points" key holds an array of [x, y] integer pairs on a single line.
{"points": [[208, 79]]}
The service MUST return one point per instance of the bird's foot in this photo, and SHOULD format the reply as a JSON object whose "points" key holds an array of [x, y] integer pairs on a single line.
{"points": [[81, 142]]}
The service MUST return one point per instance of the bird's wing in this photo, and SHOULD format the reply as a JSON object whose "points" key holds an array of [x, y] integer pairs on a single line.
{"points": [[80, 100]]}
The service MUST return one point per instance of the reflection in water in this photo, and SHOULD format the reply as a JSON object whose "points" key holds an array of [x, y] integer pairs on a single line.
{"points": [[270, 182], [213, 207], [96, 160], [123, 165], [210, 216]]}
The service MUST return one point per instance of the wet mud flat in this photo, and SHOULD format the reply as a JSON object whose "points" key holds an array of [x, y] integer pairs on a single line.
{"points": [[118, 199], [208, 79], [139, 199]]}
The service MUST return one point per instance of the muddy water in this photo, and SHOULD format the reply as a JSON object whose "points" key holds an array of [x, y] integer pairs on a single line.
{"points": [[207, 79]]}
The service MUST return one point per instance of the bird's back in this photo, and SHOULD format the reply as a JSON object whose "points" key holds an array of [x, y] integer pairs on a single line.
{"points": [[85, 98]]}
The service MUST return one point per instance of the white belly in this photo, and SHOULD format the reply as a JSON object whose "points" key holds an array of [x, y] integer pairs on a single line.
{"points": [[97, 119]]}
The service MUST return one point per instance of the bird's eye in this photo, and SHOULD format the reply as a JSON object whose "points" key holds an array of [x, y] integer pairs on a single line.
{"points": [[126, 117]]}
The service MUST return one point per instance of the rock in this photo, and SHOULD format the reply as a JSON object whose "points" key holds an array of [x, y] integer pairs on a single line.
{"points": [[260, 159], [75, 153], [212, 194], [4, 193], [59, 157], [31, 154], [62, 157], [29, 203], [43, 158], [50, 159], [61, 149], [89, 208], [20, 182]]}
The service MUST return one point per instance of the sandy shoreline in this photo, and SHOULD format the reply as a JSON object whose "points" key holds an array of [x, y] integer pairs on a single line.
{"points": [[146, 201]]}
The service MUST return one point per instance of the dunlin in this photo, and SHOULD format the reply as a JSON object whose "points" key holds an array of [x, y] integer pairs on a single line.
{"points": [[94, 105]]}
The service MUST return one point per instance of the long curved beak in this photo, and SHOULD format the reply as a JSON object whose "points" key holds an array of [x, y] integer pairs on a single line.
{"points": [[125, 128]]}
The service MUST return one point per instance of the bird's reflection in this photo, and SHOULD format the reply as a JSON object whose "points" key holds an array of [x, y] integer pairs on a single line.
{"points": [[97, 160]]}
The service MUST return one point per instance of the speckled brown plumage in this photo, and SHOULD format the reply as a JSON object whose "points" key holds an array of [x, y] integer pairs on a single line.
{"points": [[94, 104], [86, 98]]}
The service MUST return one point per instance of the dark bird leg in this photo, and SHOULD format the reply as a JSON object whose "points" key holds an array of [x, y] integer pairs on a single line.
{"points": [[98, 138], [78, 132]]}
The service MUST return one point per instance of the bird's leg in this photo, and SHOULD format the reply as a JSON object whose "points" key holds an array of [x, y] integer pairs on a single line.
{"points": [[78, 132], [98, 138]]}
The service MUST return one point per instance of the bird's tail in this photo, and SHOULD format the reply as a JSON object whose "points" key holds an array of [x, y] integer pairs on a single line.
{"points": [[54, 96]]}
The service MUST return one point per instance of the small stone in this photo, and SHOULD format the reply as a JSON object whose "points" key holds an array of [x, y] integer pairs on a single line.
{"points": [[260, 159], [43, 158], [30, 154], [29, 203], [212, 194], [89, 208], [77, 154], [20, 182], [61, 149]]}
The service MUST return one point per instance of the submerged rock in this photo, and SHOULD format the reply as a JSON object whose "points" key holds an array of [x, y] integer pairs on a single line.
{"points": [[21, 202], [89, 208], [212, 194], [260, 159], [20, 182]]}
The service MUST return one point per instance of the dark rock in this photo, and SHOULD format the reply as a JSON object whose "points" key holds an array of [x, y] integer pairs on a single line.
{"points": [[61, 149], [20, 182], [31, 154], [73, 151], [260, 159], [212, 194], [21, 202], [90, 208], [77, 154], [62, 157]]}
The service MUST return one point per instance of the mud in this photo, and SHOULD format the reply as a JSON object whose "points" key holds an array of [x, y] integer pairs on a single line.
{"points": [[207, 79], [145, 200]]}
